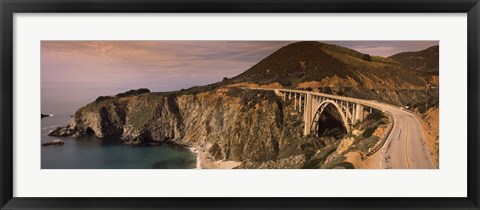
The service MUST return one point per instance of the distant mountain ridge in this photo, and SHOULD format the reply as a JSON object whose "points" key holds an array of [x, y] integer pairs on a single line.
{"points": [[333, 69], [315, 61], [424, 61]]}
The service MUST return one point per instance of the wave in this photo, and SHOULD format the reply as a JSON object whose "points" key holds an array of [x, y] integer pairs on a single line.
{"points": [[199, 161]]}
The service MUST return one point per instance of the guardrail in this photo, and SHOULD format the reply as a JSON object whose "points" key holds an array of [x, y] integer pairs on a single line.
{"points": [[384, 137]]}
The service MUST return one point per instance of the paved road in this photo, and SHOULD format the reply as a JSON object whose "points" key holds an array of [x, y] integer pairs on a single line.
{"points": [[405, 147]]}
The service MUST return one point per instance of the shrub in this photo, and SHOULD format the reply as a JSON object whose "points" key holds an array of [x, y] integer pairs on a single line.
{"points": [[369, 131], [133, 92], [103, 98], [375, 115], [366, 57]]}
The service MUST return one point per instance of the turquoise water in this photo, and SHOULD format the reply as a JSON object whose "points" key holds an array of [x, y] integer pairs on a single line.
{"points": [[88, 152]]}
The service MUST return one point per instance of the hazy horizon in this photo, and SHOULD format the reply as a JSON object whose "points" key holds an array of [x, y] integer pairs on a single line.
{"points": [[173, 65]]}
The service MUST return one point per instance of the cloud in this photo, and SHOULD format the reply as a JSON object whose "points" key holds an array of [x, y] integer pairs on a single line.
{"points": [[386, 48], [152, 62], [172, 64], [374, 50]]}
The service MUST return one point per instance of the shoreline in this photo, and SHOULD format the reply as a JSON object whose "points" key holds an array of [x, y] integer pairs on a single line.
{"points": [[203, 158], [198, 164], [205, 162]]}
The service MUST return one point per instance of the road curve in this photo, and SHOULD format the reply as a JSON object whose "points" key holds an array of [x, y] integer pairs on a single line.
{"points": [[405, 147]]}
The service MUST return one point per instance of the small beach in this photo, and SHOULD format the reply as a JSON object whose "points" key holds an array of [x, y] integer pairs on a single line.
{"points": [[205, 162]]}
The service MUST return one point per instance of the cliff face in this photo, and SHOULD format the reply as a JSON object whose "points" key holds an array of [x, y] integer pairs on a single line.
{"points": [[231, 124]]}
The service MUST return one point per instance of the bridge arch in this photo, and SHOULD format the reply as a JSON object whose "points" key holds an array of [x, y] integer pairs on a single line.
{"points": [[330, 104]]}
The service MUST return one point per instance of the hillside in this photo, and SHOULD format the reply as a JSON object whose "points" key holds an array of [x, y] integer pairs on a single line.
{"points": [[315, 61], [423, 61], [336, 70]]}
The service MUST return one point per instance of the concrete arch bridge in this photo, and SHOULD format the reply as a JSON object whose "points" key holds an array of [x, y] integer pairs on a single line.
{"points": [[314, 105], [403, 147]]}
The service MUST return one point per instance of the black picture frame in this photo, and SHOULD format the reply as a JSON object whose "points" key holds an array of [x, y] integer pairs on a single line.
{"points": [[10, 7]]}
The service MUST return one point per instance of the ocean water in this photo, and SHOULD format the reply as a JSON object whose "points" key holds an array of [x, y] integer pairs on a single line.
{"points": [[88, 152]]}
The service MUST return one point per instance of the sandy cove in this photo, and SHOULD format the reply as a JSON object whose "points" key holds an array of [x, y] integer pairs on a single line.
{"points": [[206, 162]]}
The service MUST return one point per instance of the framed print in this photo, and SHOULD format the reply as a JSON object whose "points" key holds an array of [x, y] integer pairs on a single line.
{"points": [[239, 105]]}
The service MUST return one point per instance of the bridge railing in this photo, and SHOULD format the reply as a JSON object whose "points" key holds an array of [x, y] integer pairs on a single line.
{"points": [[365, 103], [384, 137], [320, 94]]}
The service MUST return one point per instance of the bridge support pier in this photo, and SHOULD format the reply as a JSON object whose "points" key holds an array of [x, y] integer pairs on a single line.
{"points": [[359, 115], [295, 100], [307, 114], [300, 104]]}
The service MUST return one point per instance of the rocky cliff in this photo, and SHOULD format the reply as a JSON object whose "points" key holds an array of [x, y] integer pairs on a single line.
{"points": [[232, 124], [253, 127]]}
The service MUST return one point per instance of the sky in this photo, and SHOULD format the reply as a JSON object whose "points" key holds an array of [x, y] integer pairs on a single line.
{"points": [[172, 65]]}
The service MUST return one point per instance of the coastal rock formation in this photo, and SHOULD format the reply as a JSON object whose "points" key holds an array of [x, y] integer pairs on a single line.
{"points": [[61, 131], [232, 124], [54, 142]]}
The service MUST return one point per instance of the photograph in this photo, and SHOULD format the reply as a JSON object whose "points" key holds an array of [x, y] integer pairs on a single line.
{"points": [[246, 105], [239, 104]]}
